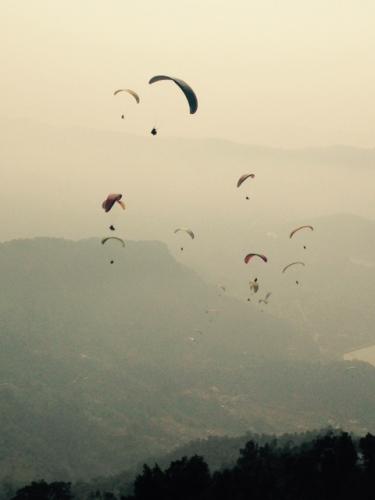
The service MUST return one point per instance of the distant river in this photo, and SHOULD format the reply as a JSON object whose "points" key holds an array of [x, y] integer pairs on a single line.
{"points": [[366, 354]]}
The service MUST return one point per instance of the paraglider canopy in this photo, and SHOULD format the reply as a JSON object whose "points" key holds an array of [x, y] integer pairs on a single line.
{"points": [[243, 178], [120, 240], [292, 264], [186, 89], [129, 91], [111, 200], [185, 230], [299, 229], [249, 256]]}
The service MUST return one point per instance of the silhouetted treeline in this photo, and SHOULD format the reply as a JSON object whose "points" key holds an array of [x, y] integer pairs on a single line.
{"points": [[331, 466]]}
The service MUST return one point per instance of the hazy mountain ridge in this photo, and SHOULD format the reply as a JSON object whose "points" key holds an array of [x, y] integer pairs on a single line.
{"points": [[72, 169], [171, 182], [104, 365]]}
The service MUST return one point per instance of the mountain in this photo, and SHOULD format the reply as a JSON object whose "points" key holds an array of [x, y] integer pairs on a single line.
{"points": [[60, 176], [103, 365], [219, 452], [54, 180]]}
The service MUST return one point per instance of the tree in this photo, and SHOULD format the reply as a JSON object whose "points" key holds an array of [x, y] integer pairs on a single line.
{"points": [[40, 490]]}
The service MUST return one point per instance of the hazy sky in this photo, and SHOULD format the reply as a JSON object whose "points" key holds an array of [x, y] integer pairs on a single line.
{"points": [[285, 73]]}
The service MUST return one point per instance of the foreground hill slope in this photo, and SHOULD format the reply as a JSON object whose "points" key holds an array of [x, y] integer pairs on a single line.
{"points": [[103, 365]]}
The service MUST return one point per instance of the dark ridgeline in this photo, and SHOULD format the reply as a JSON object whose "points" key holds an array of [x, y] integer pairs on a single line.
{"points": [[332, 466]]}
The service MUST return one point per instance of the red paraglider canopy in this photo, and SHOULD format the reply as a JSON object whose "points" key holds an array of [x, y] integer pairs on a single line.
{"points": [[111, 200], [251, 255]]}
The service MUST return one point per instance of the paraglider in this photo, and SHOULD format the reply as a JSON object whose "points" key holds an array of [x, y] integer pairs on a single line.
{"points": [[111, 200], [120, 240], [129, 91], [243, 178], [254, 285], [299, 229], [292, 264], [186, 89], [249, 256], [265, 300], [185, 230]]}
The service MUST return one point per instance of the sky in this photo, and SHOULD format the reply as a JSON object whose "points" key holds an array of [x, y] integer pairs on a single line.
{"points": [[286, 73]]}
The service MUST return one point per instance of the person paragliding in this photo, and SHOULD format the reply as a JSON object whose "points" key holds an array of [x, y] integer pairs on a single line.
{"points": [[243, 178], [113, 238], [254, 285], [299, 229], [128, 91], [187, 231]]}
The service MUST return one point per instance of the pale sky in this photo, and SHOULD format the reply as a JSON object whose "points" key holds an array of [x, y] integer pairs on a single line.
{"points": [[288, 73]]}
